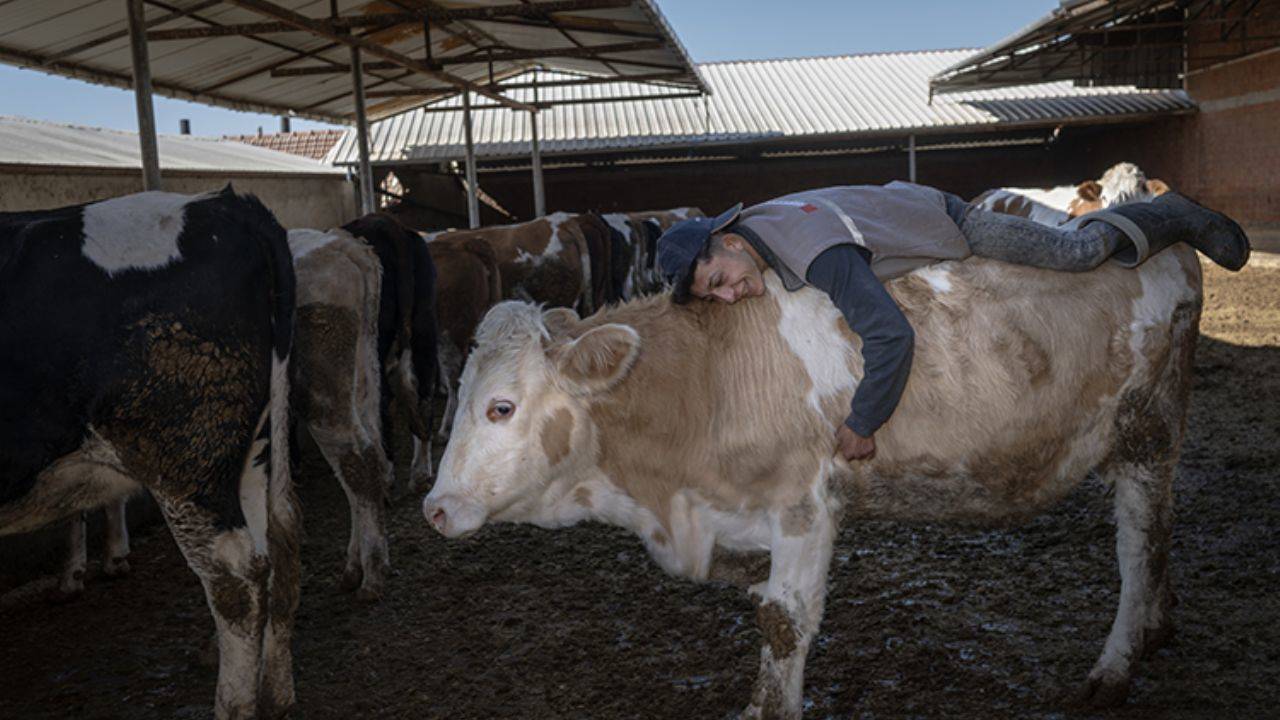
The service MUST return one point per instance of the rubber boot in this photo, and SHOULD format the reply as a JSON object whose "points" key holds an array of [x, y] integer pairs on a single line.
{"points": [[1173, 218]]}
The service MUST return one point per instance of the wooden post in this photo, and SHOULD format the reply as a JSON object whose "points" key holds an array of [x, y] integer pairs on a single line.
{"points": [[539, 190], [473, 198], [911, 158], [142, 96], [368, 201]]}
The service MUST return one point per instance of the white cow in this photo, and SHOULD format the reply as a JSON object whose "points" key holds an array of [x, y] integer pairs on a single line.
{"points": [[708, 430], [1121, 184]]}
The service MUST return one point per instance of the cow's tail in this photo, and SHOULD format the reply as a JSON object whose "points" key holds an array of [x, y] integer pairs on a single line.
{"points": [[283, 294]]}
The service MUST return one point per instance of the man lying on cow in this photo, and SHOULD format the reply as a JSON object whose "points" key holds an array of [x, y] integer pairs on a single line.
{"points": [[847, 241]]}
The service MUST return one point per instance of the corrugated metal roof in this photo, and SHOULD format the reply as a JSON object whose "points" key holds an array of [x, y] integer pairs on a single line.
{"points": [[752, 102], [32, 142], [88, 39]]}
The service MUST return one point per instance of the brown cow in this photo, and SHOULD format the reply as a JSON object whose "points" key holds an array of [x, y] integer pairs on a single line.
{"points": [[706, 429], [545, 260], [468, 283]]}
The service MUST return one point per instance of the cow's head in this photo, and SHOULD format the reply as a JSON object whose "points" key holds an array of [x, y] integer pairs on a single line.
{"points": [[522, 433], [1122, 183]]}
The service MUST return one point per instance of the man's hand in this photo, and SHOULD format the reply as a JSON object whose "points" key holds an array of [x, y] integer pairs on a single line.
{"points": [[852, 446]]}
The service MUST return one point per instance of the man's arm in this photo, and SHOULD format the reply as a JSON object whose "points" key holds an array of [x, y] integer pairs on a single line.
{"points": [[887, 338]]}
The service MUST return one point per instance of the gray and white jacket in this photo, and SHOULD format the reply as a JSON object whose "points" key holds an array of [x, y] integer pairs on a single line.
{"points": [[846, 241]]}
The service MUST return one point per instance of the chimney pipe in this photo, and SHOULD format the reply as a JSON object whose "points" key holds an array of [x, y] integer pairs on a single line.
{"points": [[184, 127], [284, 124]]}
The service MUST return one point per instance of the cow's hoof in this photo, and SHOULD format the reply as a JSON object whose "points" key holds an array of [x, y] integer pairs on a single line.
{"points": [[116, 567], [1101, 691], [63, 594], [352, 579], [369, 594]]}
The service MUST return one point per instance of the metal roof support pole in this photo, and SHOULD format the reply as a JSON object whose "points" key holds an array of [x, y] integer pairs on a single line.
{"points": [[473, 197], [911, 158], [539, 190], [368, 202], [142, 96]]}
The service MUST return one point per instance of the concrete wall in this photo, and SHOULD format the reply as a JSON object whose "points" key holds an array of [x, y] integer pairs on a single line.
{"points": [[314, 201]]}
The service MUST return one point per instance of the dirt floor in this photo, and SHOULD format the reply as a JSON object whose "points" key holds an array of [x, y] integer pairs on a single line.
{"points": [[924, 622]]}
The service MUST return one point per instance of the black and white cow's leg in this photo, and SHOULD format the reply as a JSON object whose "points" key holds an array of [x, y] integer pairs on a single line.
{"points": [[71, 581], [1144, 515], [234, 568], [790, 607], [115, 553], [365, 475]]}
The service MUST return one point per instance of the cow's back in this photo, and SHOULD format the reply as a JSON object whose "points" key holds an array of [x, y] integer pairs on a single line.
{"points": [[1017, 380], [120, 317]]}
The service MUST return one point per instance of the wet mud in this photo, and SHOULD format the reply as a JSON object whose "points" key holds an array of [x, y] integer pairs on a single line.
{"points": [[922, 621]]}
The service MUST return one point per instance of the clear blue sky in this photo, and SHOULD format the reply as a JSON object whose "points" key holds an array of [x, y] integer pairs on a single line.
{"points": [[710, 29]]}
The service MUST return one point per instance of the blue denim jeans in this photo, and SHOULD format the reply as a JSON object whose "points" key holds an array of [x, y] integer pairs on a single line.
{"points": [[1013, 239]]}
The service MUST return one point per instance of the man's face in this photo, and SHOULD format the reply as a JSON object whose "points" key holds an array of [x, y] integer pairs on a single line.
{"points": [[730, 274]]}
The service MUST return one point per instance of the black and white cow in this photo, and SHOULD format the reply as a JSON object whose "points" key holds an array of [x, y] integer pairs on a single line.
{"points": [[407, 330], [146, 343]]}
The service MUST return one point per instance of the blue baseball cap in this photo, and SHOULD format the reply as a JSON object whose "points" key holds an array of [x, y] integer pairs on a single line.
{"points": [[682, 243]]}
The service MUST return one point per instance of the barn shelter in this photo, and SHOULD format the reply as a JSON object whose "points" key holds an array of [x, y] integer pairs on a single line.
{"points": [[769, 127], [50, 165], [342, 61], [1224, 54]]}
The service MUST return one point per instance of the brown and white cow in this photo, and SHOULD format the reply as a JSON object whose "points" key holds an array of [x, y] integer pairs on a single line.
{"points": [[544, 260], [468, 284], [1122, 183], [338, 388], [708, 430]]}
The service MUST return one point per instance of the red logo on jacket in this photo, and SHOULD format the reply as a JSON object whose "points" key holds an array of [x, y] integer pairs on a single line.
{"points": [[809, 207]]}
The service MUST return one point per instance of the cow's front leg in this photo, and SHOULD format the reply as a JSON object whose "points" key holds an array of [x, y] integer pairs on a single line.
{"points": [[790, 606], [115, 553]]}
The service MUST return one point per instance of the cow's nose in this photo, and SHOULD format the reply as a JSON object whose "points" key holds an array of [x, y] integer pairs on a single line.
{"points": [[437, 517]]}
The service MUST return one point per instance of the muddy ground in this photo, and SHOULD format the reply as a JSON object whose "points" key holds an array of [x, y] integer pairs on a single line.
{"points": [[923, 621]]}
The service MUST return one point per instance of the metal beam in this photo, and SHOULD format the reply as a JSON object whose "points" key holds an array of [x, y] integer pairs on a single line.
{"points": [[647, 77], [386, 19], [911, 158], [575, 101], [142, 95], [104, 39], [589, 52], [539, 190], [473, 199], [368, 203], [317, 28]]}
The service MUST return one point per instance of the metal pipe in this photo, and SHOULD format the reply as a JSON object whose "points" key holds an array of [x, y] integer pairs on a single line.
{"points": [[539, 190], [142, 96], [368, 202], [473, 198], [911, 158]]}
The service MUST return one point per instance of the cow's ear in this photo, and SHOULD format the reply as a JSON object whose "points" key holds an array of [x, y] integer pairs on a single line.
{"points": [[558, 321], [1089, 191], [1157, 187], [596, 361]]}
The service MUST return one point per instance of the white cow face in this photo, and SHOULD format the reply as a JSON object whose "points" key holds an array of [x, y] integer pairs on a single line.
{"points": [[522, 434]]}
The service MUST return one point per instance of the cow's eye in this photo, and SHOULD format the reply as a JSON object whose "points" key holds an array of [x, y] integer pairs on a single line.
{"points": [[500, 410]]}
